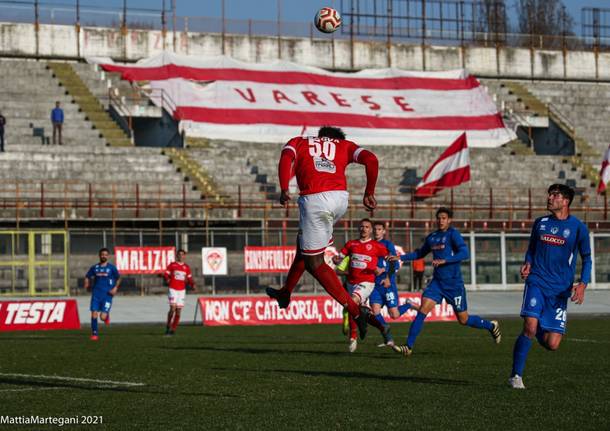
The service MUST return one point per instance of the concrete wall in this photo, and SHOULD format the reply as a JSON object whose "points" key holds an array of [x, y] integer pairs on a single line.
{"points": [[69, 42]]}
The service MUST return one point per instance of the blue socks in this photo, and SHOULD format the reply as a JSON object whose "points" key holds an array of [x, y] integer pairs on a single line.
{"points": [[380, 319], [520, 351], [94, 326], [477, 322], [415, 329], [402, 309]]}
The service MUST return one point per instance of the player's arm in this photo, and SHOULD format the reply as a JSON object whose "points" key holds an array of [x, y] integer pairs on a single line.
{"points": [[117, 283], [414, 255], [285, 171], [88, 277], [371, 167], [189, 278], [584, 248], [529, 254]]}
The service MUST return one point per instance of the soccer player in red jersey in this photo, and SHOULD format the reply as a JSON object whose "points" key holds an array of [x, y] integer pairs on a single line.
{"points": [[364, 254], [319, 165], [177, 275]]}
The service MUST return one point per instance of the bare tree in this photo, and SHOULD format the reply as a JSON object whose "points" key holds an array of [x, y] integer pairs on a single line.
{"points": [[546, 22], [491, 19]]}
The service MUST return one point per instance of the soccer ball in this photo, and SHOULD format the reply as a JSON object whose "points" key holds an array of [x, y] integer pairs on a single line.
{"points": [[327, 20]]}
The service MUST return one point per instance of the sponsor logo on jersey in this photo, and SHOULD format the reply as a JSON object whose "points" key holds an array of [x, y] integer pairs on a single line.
{"points": [[566, 233], [438, 247], [552, 239], [323, 165], [361, 257]]}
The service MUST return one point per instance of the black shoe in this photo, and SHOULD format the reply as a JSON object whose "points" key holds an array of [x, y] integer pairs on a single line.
{"points": [[282, 297], [361, 321]]}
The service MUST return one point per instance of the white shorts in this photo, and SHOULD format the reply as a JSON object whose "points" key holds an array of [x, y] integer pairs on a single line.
{"points": [[362, 290], [318, 214], [176, 297]]}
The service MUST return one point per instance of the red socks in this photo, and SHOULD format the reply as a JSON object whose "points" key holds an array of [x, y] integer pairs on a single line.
{"points": [[353, 329], [294, 274], [176, 321], [330, 282]]}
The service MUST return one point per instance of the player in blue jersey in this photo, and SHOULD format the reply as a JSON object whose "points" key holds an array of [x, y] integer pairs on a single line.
{"points": [[104, 280], [386, 292], [448, 250], [548, 271]]}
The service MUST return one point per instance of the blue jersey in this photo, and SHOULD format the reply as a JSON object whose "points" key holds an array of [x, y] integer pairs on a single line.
{"points": [[382, 263], [448, 245], [104, 277], [552, 253]]}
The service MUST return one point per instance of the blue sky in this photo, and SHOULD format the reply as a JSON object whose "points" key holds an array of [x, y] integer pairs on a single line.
{"points": [[291, 10]]}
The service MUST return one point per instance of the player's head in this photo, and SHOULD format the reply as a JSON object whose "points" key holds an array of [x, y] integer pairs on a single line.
{"points": [[104, 253], [365, 228], [180, 255], [559, 197], [379, 230], [57, 104], [331, 132], [443, 218]]}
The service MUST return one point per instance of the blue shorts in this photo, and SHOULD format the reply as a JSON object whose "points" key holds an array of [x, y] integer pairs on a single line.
{"points": [[453, 293], [101, 303], [550, 310], [383, 296]]}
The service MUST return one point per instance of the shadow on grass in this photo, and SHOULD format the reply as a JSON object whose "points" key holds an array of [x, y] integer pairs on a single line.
{"points": [[39, 383], [275, 351], [359, 375]]}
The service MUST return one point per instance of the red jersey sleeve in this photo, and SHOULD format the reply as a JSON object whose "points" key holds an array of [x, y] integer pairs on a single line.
{"points": [[288, 155], [371, 166]]}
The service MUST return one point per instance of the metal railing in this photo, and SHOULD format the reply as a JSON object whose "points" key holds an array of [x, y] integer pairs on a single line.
{"points": [[425, 30], [508, 208]]}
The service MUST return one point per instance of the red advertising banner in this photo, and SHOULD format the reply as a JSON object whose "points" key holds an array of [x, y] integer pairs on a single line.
{"points": [[275, 259], [33, 315], [143, 260], [261, 310]]}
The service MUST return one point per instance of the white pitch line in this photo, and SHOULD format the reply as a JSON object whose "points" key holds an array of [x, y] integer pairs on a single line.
{"points": [[30, 389], [71, 379]]}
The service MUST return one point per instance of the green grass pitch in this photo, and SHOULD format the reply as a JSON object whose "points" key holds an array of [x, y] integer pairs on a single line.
{"points": [[302, 377]]}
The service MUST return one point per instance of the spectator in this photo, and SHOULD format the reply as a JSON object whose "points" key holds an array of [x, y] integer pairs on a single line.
{"points": [[2, 124], [57, 118], [419, 266]]}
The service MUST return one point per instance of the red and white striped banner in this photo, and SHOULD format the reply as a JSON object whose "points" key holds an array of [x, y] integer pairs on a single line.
{"points": [[303, 310], [604, 173], [227, 99], [451, 169], [36, 315]]}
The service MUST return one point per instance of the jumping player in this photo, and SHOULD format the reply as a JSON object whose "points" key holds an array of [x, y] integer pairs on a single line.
{"points": [[548, 271], [448, 250], [364, 254], [106, 281], [177, 275], [319, 166]]}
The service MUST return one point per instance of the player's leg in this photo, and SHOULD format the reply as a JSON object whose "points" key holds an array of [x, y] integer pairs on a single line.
{"points": [[171, 298], [531, 311], [553, 321], [297, 268], [94, 330], [429, 300], [391, 301], [458, 300]]}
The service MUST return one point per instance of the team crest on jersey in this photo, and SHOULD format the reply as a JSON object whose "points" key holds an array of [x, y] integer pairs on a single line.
{"points": [[324, 165], [554, 230], [566, 233], [369, 247], [533, 302]]}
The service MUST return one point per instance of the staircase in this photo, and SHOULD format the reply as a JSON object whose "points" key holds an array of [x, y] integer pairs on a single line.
{"points": [[195, 173], [90, 105], [534, 107]]}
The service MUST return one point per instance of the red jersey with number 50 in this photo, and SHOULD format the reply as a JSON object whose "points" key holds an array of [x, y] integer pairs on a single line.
{"points": [[320, 163], [363, 259], [178, 274]]}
